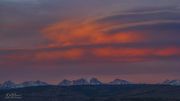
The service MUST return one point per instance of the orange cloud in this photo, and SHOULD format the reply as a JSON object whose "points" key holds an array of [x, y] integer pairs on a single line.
{"points": [[73, 33], [84, 33], [135, 53], [115, 54], [168, 52]]}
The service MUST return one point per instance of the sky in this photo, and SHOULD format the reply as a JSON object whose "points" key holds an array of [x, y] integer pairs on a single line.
{"points": [[52, 40]]}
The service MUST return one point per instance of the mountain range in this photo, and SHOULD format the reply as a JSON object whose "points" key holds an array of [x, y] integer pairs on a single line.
{"points": [[10, 84], [172, 82], [92, 81]]}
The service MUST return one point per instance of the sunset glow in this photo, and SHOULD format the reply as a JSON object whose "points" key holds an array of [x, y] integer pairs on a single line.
{"points": [[74, 38]]}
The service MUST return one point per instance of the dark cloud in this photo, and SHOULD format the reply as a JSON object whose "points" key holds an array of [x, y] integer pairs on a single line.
{"points": [[161, 25], [155, 8], [160, 32], [150, 15]]}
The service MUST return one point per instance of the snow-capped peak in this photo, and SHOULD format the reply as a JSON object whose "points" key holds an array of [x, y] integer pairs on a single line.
{"points": [[172, 82], [33, 83], [80, 82], [8, 85], [94, 81], [65, 83], [119, 82]]}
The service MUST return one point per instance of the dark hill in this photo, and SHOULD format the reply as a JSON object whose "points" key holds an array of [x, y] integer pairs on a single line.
{"points": [[94, 93]]}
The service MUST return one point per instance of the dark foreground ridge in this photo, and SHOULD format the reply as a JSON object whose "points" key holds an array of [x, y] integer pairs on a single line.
{"points": [[129, 92]]}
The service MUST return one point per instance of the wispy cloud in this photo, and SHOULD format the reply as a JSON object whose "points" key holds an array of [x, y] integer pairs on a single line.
{"points": [[131, 37]]}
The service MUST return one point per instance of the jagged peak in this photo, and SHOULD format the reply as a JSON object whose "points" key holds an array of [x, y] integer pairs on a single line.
{"points": [[119, 82], [171, 82], [95, 81]]}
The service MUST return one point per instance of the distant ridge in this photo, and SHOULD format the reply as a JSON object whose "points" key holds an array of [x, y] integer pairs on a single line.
{"points": [[82, 81], [92, 81], [8, 85], [95, 81], [172, 82], [120, 82], [65, 83], [11, 85]]}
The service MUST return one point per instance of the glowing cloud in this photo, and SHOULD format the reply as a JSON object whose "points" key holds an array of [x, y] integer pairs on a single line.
{"points": [[85, 33]]}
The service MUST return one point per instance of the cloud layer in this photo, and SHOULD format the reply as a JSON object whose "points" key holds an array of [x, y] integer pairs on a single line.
{"points": [[132, 36], [41, 35]]}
